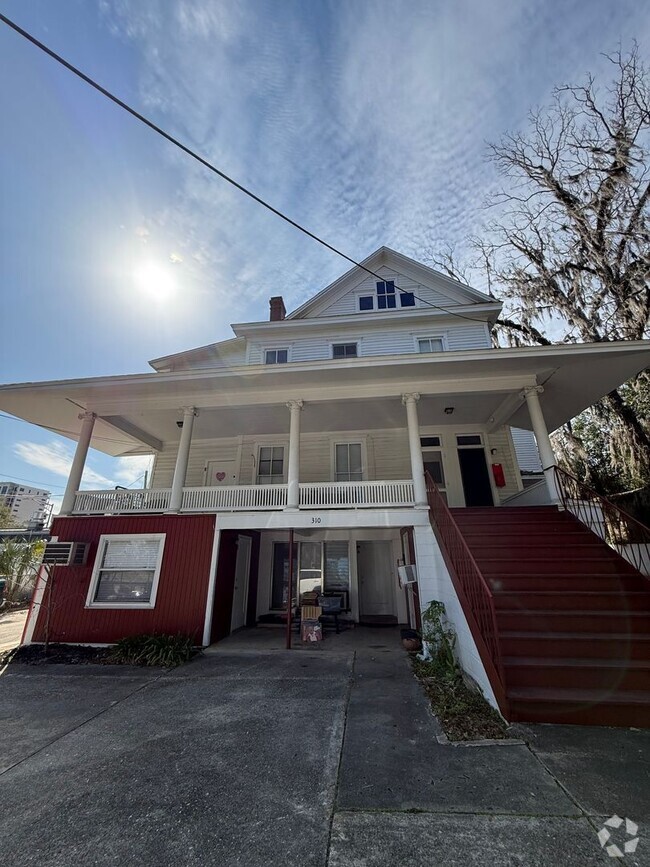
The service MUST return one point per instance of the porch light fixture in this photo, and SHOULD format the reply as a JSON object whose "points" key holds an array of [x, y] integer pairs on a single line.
{"points": [[449, 410], [179, 423]]}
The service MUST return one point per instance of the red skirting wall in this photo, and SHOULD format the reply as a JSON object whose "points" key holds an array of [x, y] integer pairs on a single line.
{"points": [[182, 587]]}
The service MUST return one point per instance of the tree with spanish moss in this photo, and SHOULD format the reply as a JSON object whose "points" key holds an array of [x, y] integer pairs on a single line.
{"points": [[568, 249]]}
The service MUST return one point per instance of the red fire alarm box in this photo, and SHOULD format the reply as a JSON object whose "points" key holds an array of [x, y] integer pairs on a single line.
{"points": [[499, 478]]}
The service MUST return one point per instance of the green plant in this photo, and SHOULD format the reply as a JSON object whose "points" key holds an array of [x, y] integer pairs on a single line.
{"points": [[439, 641], [167, 651], [19, 562]]}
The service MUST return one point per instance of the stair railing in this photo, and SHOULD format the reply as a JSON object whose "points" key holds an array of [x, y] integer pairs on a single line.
{"points": [[473, 590], [629, 537]]}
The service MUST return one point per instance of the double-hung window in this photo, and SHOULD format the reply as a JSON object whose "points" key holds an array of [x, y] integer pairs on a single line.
{"points": [[348, 462], [431, 344], [126, 571], [344, 350], [386, 295], [270, 465], [276, 356]]}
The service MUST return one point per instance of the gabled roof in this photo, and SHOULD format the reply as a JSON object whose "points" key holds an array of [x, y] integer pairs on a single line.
{"points": [[190, 357], [456, 292]]}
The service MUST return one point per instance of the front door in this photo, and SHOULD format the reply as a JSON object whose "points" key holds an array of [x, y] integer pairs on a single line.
{"points": [[375, 573], [475, 476], [221, 473], [240, 593]]}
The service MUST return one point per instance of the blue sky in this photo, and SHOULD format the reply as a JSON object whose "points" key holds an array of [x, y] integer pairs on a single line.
{"points": [[366, 120]]}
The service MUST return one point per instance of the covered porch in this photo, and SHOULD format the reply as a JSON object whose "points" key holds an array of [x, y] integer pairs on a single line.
{"points": [[324, 435]]}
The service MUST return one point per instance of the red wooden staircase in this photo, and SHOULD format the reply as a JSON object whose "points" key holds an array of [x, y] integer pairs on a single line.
{"points": [[572, 617]]}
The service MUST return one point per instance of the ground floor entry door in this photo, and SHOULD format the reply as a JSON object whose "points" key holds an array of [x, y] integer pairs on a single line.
{"points": [[375, 574], [240, 593]]}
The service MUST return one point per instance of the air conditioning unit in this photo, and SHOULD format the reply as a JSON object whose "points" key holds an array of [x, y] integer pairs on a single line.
{"points": [[407, 575], [66, 553]]}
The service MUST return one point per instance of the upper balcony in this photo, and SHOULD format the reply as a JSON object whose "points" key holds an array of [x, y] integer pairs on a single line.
{"points": [[249, 498]]}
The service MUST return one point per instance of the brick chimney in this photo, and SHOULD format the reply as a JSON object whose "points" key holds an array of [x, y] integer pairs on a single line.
{"points": [[278, 310]]}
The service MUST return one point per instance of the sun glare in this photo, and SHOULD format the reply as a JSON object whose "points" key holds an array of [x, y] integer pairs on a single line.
{"points": [[154, 280]]}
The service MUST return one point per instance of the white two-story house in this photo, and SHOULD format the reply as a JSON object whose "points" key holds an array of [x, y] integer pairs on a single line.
{"points": [[297, 451]]}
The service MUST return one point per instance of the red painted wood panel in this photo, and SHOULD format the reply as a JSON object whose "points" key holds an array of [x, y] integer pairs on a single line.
{"points": [[182, 588]]}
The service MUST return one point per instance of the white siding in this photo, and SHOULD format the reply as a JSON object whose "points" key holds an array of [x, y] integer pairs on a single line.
{"points": [[374, 341], [347, 304], [526, 448]]}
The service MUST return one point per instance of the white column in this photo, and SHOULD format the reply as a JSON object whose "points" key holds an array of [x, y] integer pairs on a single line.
{"points": [[180, 470], [547, 456], [78, 462], [417, 464], [293, 470]]}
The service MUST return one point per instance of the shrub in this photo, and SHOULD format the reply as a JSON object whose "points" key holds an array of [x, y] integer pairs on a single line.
{"points": [[167, 651]]}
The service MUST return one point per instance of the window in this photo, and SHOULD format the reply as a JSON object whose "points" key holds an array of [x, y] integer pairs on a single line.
{"points": [[126, 571], [469, 440], [431, 344], [407, 299], [270, 465], [348, 462], [336, 560], [428, 442], [276, 356], [386, 295], [366, 302], [344, 350]]}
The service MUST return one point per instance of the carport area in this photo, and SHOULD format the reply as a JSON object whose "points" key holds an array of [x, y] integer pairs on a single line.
{"points": [[247, 757]]}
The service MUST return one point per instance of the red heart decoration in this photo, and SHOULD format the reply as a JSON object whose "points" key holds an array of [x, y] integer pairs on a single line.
{"points": [[221, 477]]}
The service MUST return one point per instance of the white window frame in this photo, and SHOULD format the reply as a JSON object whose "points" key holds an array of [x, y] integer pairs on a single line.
{"points": [[94, 580], [334, 343], [441, 335], [285, 458], [266, 349], [359, 295], [364, 455]]}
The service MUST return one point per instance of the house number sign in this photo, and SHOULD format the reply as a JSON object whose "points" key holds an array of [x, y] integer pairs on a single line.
{"points": [[316, 520]]}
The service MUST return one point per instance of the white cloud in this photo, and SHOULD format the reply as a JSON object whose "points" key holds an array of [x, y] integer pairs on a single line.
{"points": [[56, 458], [132, 469], [365, 122]]}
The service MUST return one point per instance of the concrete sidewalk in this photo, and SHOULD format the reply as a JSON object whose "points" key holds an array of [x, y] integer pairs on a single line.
{"points": [[12, 624], [291, 759]]}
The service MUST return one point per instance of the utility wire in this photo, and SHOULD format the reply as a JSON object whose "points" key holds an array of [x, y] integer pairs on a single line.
{"points": [[204, 162]]}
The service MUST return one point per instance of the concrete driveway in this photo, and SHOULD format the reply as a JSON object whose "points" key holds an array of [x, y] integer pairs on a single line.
{"points": [[291, 759]]}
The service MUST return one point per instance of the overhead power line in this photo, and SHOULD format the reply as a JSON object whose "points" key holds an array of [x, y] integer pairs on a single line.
{"points": [[211, 167]]}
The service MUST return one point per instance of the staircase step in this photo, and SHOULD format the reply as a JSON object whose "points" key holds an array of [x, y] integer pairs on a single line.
{"points": [[554, 562], [617, 622], [570, 583], [563, 673], [583, 645], [585, 600], [511, 540], [580, 707]]}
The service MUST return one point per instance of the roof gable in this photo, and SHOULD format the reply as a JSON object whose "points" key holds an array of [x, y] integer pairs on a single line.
{"points": [[431, 288]]}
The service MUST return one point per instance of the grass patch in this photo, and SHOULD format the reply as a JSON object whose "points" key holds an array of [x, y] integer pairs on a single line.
{"points": [[463, 712], [166, 651]]}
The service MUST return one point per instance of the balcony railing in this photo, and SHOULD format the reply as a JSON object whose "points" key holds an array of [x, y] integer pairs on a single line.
{"points": [[356, 495], [249, 498]]}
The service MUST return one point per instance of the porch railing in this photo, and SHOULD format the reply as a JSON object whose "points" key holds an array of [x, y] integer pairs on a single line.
{"points": [[121, 502], [472, 589], [234, 498], [356, 495], [621, 531]]}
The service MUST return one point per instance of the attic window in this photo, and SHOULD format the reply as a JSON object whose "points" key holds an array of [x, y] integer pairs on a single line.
{"points": [[276, 356], [386, 295], [344, 350], [366, 302]]}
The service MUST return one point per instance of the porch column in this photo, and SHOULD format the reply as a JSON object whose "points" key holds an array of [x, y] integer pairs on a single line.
{"points": [[293, 469], [180, 470], [531, 395], [78, 462], [417, 465]]}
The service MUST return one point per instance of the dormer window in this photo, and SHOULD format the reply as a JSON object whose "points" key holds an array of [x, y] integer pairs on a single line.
{"points": [[276, 356]]}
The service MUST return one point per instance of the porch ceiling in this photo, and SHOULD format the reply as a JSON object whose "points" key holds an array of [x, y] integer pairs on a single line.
{"points": [[138, 413]]}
